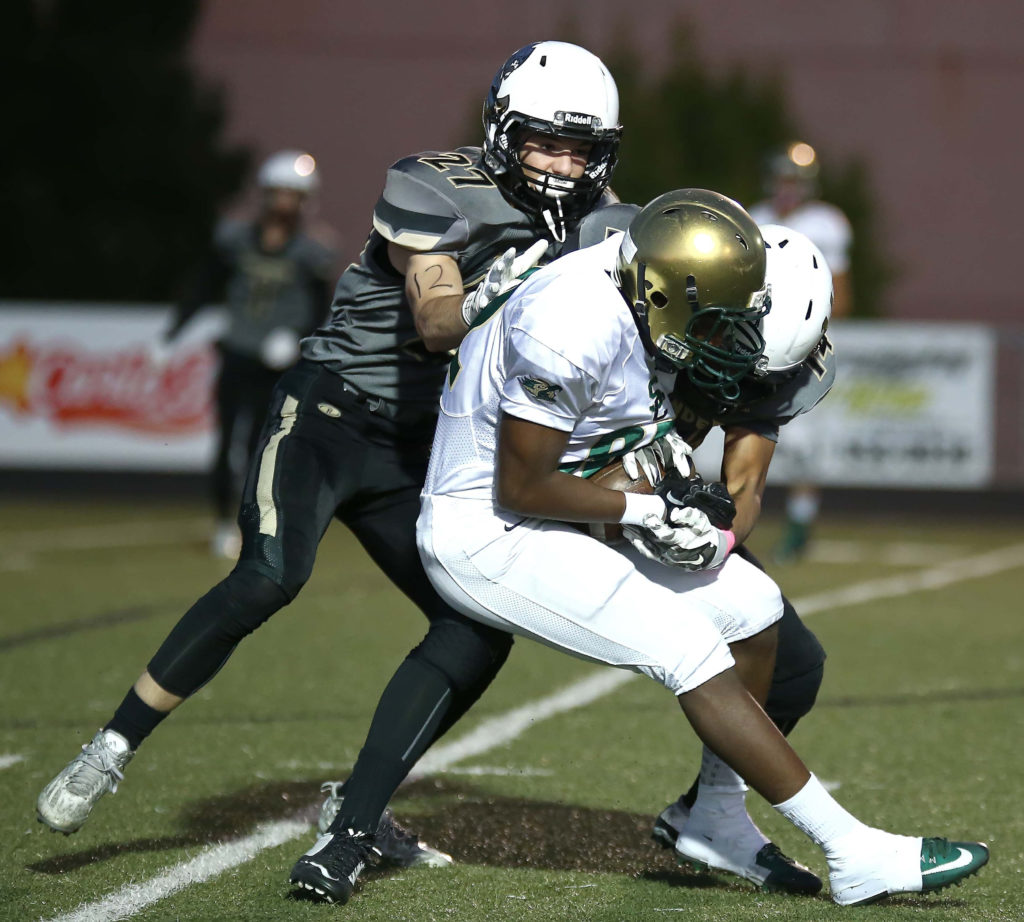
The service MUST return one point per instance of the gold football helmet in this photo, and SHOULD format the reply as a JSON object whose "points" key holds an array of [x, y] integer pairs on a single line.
{"points": [[692, 267]]}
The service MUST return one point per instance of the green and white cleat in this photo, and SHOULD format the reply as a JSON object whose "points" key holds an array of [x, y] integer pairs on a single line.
{"points": [[66, 802], [903, 864]]}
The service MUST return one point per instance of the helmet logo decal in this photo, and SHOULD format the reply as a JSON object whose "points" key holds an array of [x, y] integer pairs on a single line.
{"points": [[579, 119], [517, 60]]}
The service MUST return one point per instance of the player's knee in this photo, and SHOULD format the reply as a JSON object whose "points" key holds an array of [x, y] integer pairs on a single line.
{"points": [[793, 697], [250, 597], [289, 576], [201, 642], [465, 652]]}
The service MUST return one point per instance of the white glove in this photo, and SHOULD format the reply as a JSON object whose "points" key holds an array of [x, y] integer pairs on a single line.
{"points": [[667, 454], [688, 540], [279, 349], [501, 277]]}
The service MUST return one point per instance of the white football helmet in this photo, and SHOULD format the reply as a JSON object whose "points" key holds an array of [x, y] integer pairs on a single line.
{"points": [[801, 298], [289, 169], [558, 89]]}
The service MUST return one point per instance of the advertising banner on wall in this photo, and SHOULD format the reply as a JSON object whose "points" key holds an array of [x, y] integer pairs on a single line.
{"points": [[93, 388], [913, 406]]}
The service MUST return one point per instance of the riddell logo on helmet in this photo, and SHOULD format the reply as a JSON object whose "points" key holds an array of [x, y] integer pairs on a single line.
{"points": [[577, 118]]}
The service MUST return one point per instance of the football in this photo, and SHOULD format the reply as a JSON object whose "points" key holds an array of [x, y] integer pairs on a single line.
{"points": [[614, 477]]}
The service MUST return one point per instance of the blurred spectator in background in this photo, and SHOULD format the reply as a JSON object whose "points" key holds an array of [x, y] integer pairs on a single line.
{"points": [[792, 188], [275, 275]]}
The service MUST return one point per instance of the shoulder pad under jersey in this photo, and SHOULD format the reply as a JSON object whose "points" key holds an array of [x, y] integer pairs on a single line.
{"points": [[431, 201], [793, 394], [599, 225]]}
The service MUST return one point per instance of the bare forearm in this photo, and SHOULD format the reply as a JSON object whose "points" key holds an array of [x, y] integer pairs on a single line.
{"points": [[744, 471], [748, 511], [563, 497], [439, 323]]}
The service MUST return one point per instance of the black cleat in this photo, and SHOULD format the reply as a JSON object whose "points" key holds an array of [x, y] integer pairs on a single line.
{"points": [[330, 869], [401, 848]]}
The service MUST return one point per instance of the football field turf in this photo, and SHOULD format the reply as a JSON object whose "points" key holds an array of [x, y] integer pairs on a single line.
{"points": [[545, 793]]}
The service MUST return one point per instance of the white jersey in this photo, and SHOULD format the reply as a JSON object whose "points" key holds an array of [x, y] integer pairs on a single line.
{"points": [[563, 352], [823, 224]]}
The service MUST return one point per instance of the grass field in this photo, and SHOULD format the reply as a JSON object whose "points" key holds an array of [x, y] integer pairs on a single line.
{"points": [[919, 724]]}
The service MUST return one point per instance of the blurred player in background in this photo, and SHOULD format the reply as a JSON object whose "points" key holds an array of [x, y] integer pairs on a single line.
{"points": [[792, 186], [350, 426], [274, 275], [574, 369]]}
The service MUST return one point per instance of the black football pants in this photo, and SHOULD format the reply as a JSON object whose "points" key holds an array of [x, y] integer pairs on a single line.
{"points": [[243, 390], [321, 455]]}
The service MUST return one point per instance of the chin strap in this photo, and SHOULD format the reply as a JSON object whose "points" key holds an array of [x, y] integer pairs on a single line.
{"points": [[558, 233]]}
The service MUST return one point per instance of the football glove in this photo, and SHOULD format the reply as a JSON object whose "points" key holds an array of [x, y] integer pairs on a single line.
{"points": [[712, 499], [501, 277], [687, 540], [669, 454]]}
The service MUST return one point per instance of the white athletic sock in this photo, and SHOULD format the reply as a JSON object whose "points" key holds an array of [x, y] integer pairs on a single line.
{"points": [[817, 814], [714, 773], [719, 813]]}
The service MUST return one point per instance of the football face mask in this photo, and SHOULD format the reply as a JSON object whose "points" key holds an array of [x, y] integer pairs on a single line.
{"points": [[692, 268]]}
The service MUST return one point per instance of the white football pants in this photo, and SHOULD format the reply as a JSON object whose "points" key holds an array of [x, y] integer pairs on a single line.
{"points": [[548, 581]]}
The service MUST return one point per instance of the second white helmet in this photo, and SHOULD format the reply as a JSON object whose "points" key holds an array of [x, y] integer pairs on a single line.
{"points": [[801, 298], [289, 169]]}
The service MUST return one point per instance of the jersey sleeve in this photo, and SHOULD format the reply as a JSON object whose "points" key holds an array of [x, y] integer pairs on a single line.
{"points": [[543, 386], [415, 213]]}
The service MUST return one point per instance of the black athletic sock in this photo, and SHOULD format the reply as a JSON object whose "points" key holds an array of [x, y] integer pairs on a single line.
{"points": [[407, 716], [134, 719]]}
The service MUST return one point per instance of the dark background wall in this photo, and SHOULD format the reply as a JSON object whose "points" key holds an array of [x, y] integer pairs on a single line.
{"points": [[927, 92]]}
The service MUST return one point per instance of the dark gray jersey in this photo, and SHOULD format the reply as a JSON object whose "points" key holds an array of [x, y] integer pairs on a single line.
{"points": [[432, 202], [765, 405], [265, 291]]}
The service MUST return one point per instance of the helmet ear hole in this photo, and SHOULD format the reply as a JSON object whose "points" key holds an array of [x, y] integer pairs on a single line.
{"points": [[659, 299]]}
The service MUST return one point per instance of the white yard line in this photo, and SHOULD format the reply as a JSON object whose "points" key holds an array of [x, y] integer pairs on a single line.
{"points": [[506, 727], [10, 758], [491, 733], [938, 577], [134, 897]]}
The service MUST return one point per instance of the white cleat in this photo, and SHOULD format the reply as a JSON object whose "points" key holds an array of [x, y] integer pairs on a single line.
{"points": [[729, 841], [66, 802]]}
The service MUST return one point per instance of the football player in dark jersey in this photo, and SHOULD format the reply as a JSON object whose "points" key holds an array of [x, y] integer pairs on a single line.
{"points": [[274, 273], [349, 427]]}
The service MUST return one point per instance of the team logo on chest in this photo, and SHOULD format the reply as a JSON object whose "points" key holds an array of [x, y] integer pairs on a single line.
{"points": [[539, 389]]}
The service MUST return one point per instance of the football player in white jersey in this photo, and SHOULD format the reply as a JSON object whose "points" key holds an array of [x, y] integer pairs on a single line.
{"points": [[792, 186], [570, 374]]}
